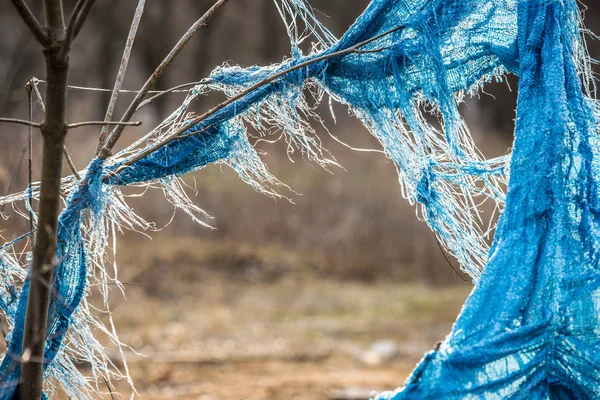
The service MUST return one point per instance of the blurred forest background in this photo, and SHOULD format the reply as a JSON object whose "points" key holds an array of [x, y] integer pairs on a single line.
{"points": [[341, 291]]}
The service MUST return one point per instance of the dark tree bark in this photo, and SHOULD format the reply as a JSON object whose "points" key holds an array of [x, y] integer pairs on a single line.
{"points": [[54, 130], [55, 39]]}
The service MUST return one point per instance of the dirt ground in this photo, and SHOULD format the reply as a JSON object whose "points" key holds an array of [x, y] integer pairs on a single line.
{"points": [[218, 336]]}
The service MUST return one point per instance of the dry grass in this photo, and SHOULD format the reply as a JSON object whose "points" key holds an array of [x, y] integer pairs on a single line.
{"points": [[221, 333]]}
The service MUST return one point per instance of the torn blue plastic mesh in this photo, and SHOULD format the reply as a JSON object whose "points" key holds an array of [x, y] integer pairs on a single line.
{"points": [[69, 281], [531, 327]]}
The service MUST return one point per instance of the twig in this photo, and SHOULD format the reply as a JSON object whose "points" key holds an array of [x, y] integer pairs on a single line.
{"points": [[102, 123], [71, 27], [104, 90], [171, 90], [21, 122], [32, 22], [29, 88], [111, 140], [85, 11], [71, 163], [78, 17], [195, 121], [70, 126], [456, 272], [38, 96], [109, 388], [55, 18], [122, 69]]}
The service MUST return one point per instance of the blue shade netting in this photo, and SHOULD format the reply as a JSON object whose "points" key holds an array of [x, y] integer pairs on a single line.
{"points": [[531, 327]]}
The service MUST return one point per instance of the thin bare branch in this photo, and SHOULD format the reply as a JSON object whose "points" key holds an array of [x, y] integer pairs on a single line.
{"points": [[29, 89], [454, 269], [104, 90], [71, 126], [71, 27], [71, 163], [85, 11], [109, 388], [20, 122], [103, 123], [112, 139], [176, 134], [32, 22], [139, 11], [75, 12], [76, 22], [55, 18], [171, 90], [38, 97]]}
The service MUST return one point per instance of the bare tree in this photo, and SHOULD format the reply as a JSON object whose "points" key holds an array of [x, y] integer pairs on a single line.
{"points": [[55, 37], [55, 40]]}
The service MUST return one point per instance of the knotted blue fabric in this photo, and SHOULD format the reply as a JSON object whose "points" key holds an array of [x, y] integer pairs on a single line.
{"points": [[531, 327]]}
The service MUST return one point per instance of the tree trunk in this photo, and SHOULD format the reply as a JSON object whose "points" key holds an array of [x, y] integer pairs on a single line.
{"points": [[54, 130]]}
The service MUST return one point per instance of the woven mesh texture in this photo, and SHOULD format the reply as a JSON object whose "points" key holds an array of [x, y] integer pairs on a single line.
{"points": [[531, 327]]}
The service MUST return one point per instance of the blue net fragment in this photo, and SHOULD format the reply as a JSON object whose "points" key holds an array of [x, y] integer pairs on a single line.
{"points": [[531, 327]]}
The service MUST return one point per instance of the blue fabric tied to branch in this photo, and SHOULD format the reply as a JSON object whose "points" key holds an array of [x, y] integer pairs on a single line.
{"points": [[178, 157], [69, 281], [531, 327]]}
